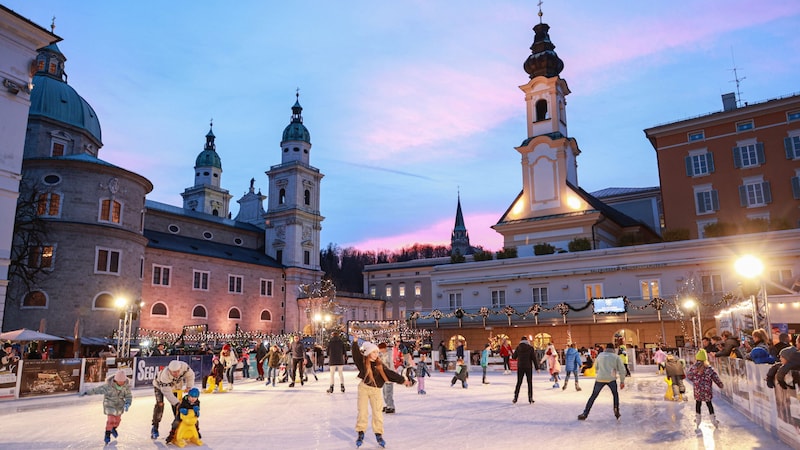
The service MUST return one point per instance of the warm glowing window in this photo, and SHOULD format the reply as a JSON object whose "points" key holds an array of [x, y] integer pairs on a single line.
{"points": [[48, 204], [110, 211], [649, 289]]}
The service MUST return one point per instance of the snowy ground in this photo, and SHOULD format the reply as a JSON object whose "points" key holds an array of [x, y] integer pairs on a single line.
{"points": [[480, 417]]}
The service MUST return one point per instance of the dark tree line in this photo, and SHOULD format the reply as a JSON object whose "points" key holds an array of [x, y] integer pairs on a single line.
{"points": [[345, 267]]}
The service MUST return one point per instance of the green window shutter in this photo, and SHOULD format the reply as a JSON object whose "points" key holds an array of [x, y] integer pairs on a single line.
{"points": [[760, 153], [737, 158], [743, 195], [767, 192], [689, 169], [796, 187], [701, 205], [788, 145], [710, 162], [715, 200]]}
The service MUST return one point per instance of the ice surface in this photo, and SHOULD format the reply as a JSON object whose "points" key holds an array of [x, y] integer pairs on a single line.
{"points": [[480, 417]]}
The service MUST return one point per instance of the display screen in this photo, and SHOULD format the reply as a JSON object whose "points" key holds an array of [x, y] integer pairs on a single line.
{"points": [[610, 305]]}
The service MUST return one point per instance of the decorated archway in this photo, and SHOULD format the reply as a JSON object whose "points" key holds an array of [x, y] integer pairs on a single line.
{"points": [[626, 336], [541, 340], [453, 342]]}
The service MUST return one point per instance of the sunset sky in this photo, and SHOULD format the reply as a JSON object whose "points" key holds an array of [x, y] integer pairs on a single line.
{"points": [[408, 102]]}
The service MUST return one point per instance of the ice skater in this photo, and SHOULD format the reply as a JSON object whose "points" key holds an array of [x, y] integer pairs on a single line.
{"points": [[608, 366], [487, 350], [388, 388], [701, 374], [422, 372], [374, 375], [572, 363], [462, 373], [526, 359], [177, 376], [229, 360], [336, 359], [190, 401], [116, 400], [676, 374], [553, 366]]}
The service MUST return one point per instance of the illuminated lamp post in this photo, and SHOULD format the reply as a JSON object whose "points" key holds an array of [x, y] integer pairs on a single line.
{"points": [[690, 304], [128, 312], [752, 268]]}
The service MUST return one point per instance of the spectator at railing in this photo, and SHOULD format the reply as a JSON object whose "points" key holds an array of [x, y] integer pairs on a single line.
{"points": [[759, 353]]}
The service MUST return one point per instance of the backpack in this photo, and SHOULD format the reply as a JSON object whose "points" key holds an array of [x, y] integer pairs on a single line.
{"points": [[308, 362]]}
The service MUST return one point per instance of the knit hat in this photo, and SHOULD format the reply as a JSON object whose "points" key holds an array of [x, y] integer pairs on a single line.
{"points": [[120, 376], [524, 338], [226, 347], [701, 355], [382, 345], [368, 347], [787, 352], [174, 365], [194, 392]]}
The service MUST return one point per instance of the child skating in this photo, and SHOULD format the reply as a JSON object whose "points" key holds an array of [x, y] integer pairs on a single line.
{"points": [[701, 374], [116, 400], [422, 372], [190, 401], [551, 357], [462, 373], [373, 374]]}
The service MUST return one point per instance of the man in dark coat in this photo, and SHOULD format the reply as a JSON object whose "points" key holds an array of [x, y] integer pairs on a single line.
{"points": [[336, 359], [298, 351], [261, 355], [729, 345], [526, 360]]}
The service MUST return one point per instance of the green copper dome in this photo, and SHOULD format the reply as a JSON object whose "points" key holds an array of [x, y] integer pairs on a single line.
{"points": [[209, 157], [296, 131], [53, 98]]}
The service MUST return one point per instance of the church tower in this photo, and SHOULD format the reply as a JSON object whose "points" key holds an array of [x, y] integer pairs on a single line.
{"points": [[459, 240], [293, 219], [206, 196]]}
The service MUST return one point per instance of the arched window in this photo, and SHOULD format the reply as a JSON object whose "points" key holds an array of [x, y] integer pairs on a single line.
{"points": [[103, 301], [215, 213], [418, 305], [541, 110], [401, 311], [266, 316], [388, 314], [199, 312], [234, 313], [158, 309], [35, 299], [307, 197], [282, 196]]}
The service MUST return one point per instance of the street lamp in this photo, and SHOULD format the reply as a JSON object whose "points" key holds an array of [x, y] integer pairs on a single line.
{"points": [[751, 267], [689, 304], [129, 311]]}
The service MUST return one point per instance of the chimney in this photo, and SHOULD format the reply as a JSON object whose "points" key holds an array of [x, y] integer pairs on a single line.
{"points": [[728, 101]]}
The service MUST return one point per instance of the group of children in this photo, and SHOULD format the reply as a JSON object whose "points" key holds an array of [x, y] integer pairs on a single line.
{"points": [[701, 374]]}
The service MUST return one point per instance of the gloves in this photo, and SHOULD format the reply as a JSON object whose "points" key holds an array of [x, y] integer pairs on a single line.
{"points": [[127, 405], [196, 410], [184, 411]]}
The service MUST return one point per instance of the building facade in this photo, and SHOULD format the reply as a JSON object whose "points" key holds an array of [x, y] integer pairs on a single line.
{"points": [[733, 170]]}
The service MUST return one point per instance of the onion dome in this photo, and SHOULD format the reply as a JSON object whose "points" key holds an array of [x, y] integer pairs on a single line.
{"points": [[209, 157], [543, 61], [296, 131], [54, 99]]}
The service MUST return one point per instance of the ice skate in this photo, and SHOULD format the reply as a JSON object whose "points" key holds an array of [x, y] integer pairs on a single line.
{"points": [[154, 432], [379, 438], [107, 437], [714, 421], [360, 439], [330, 390], [577, 388], [342, 388], [583, 416], [616, 413], [555, 386], [114, 432]]}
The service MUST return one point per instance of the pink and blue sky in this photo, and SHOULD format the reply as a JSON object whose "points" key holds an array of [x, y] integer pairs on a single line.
{"points": [[407, 102]]}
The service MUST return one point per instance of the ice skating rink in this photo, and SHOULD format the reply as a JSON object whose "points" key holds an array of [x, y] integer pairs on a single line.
{"points": [[254, 416]]}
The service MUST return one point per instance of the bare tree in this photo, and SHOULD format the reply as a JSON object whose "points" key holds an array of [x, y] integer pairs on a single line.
{"points": [[31, 253]]}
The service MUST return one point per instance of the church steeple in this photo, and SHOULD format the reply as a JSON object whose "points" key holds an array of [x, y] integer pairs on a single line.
{"points": [[207, 195], [459, 239]]}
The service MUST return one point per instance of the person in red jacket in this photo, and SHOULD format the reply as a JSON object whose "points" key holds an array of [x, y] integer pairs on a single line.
{"points": [[505, 353]]}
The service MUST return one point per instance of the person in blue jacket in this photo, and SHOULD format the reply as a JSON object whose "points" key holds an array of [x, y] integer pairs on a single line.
{"points": [[572, 363]]}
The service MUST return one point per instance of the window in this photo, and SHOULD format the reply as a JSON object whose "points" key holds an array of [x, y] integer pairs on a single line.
{"points": [[106, 261], [208, 235], [235, 284], [744, 126], [161, 275], [199, 312], [40, 257], [540, 296], [796, 187], [373, 290], [172, 228], [593, 291], [792, 116], [52, 179], [401, 290], [418, 305], [282, 196], [141, 268], [57, 149], [455, 300], [388, 311], [401, 311], [266, 316], [266, 288], [541, 111], [48, 204], [792, 146], [200, 280], [781, 278], [498, 298], [649, 289], [279, 256], [751, 155], [706, 200], [159, 309], [417, 289], [234, 313], [307, 197], [35, 299], [103, 301], [306, 257], [110, 211], [388, 290], [696, 136], [710, 285], [755, 193], [701, 163]]}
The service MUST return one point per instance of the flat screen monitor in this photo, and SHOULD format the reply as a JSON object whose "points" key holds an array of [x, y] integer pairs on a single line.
{"points": [[609, 305]]}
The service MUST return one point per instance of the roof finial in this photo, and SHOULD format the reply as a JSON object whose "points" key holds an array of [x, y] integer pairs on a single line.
{"points": [[53, 25], [297, 94], [540, 11], [211, 122]]}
